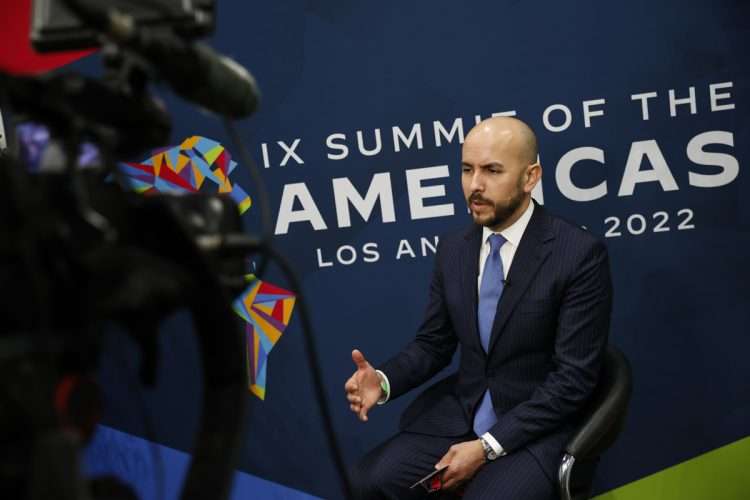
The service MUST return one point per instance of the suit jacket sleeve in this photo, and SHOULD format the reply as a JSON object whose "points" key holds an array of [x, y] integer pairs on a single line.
{"points": [[433, 346], [581, 337]]}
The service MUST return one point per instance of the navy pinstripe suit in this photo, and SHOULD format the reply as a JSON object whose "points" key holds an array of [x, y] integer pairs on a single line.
{"points": [[544, 355]]}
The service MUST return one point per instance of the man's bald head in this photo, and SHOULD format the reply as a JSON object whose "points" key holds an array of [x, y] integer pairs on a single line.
{"points": [[499, 170], [510, 132]]}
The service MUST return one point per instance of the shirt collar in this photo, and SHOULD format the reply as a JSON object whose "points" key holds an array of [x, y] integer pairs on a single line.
{"points": [[514, 232]]}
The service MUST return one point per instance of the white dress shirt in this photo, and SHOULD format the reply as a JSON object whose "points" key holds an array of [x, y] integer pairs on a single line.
{"points": [[512, 235]]}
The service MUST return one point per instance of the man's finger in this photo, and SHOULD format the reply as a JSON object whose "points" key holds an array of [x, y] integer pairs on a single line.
{"points": [[351, 385], [447, 485], [448, 479], [359, 359], [363, 413], [353, 398]]}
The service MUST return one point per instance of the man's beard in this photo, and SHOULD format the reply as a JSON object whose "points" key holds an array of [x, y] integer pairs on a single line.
{"points": [[502, 212]]}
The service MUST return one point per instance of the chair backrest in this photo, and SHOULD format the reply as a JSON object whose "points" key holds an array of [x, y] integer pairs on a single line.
{"points": [[604, 418]]}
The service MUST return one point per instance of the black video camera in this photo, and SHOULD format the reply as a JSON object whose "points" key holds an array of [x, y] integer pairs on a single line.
{"points": [[78, 249]]}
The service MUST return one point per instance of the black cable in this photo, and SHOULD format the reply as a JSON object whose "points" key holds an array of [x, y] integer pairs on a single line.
{"points": [[314, 361], [265, 205], [146, 421], [266, 224], [266, 249]]}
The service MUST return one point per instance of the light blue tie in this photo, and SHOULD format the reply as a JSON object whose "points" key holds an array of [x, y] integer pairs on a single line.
{"points": [[489, 294]]}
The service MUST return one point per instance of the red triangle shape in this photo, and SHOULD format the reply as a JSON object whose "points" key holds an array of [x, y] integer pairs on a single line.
{"points": [[278, 311], [221, 160], [142, 166], [272, 289]]}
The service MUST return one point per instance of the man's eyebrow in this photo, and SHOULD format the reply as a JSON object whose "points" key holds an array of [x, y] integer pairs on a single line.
{"points": [[486, 165]]}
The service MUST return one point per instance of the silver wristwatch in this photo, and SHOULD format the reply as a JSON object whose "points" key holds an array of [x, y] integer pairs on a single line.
{"points": [[489, 453]]}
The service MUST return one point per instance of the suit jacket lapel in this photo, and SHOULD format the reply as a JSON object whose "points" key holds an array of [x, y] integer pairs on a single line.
{"points": [[469, 276], [531, 253]]}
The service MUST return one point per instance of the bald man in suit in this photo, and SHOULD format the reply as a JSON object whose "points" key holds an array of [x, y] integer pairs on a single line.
{"points": [[528, 297]]}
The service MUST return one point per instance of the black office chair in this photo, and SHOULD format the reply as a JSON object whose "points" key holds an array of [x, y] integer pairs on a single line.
{"points": [[602, 423]]}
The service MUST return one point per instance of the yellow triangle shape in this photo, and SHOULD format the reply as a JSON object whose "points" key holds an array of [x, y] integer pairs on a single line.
{"points": [[212, 154], [190, 142], [199, 177], [258, 391], [181, 162], [288, 307], [250, 297]]}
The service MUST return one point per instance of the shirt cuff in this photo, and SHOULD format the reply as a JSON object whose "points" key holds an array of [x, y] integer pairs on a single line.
{"points": [[494, 444], [385, 386]]}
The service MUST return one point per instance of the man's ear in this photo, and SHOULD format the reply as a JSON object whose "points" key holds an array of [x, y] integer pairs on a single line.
{"points": [[533, 175]]}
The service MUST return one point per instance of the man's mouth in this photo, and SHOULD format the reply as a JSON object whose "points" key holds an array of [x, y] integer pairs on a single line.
{"points": [[477, 202]]}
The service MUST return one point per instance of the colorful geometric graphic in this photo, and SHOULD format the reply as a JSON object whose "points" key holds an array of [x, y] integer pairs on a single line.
{"points": [[185, 169], [267, 310]]}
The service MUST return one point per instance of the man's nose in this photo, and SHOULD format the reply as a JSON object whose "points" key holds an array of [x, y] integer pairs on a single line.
{"points": [[477, 182]]}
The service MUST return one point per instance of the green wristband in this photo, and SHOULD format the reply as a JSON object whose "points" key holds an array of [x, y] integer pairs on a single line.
{"points": [[385, 388]]}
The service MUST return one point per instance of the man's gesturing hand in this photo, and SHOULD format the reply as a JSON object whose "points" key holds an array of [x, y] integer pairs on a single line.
{"points": [[463, 461], [362, 388]]}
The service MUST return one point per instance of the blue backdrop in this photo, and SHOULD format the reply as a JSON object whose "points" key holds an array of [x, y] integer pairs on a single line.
{"points": [[665, 192]]}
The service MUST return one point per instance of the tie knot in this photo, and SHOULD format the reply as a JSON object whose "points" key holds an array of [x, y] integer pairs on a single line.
{"points": [[496, 241]]}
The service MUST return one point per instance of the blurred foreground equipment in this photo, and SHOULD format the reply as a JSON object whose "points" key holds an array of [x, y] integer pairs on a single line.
{"points": [[77, 251]]}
